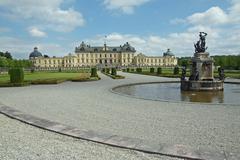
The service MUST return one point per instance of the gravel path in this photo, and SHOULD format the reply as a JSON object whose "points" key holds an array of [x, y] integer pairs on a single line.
{"points": [[24, 142], [92, 106]]}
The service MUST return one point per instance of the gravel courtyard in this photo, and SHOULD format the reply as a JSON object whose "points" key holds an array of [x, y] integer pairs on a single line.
{"points": [[91, 105]]}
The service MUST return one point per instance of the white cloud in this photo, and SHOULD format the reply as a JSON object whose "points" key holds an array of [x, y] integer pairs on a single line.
{"points": [[35, 32], [213, 16], [125, 6], [21, 49], [45, 13]]}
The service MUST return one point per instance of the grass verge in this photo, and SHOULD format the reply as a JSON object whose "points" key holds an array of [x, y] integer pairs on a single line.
{"points": [[38, 78]]}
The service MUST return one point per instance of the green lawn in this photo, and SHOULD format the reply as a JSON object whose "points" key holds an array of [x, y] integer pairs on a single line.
{"points": [[44, 75], [168, 72]]}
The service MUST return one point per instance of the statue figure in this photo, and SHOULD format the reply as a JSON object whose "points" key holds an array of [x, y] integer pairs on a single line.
{"points": [[183, 73], [200, 45], [221, 73], [195, 75]]}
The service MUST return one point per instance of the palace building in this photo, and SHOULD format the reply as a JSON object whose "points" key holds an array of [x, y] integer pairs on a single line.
{"points": [[101, 56]]}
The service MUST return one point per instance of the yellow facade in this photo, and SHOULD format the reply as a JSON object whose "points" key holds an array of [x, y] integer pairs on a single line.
{"points": [[101, 57], [143, 60]]}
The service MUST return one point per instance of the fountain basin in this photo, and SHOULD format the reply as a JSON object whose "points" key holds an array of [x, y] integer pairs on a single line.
{"points": [[170, 92], [202, 85]]}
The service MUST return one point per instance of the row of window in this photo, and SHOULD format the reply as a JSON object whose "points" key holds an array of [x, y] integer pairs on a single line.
{"points": [[104, 55], [154, 60], [82, 61]]}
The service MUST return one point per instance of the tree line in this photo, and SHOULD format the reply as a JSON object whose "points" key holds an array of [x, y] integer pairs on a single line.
{"points": [[225, 61], [7, 61]]}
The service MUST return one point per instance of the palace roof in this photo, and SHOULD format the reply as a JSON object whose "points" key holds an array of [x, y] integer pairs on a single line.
{"points": [[83, 48], [35, 53]]}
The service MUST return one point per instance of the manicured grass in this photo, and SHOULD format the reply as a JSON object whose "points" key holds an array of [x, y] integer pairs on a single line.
{"points": [[48, 77], [168, 72]]}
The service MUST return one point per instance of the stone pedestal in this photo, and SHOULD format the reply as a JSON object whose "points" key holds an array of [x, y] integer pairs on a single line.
{"points": [[204, 65], [202, 75]]}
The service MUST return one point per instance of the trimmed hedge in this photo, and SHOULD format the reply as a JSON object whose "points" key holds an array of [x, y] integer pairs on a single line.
{"points": [[132, 69], [108, 70], [16, 75], [114, 72], [128, 69], [152, 70], [176, 70], [93, 72], [139, 70], [159, 70]]}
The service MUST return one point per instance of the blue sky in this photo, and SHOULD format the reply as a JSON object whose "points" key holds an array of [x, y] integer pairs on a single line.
{"points": [[151, 26]]}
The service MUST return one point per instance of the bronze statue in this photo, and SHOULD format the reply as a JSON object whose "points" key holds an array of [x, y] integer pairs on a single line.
{"points": [[200, 45], [183, 73], [221, 73]]}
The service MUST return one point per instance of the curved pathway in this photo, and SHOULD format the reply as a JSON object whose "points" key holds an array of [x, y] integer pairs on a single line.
{"points": [[92, 106]]}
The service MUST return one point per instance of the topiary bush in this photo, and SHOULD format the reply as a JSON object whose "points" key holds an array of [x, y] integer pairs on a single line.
{"points": [[176, 70], [139, 70], [108, 70], [93, 72], [16, 75], [132, 70], [124, 70], [103, 70], [159, 70], [152, 70], [114, 72], [128, 69], [32, 70], [59, 69]]}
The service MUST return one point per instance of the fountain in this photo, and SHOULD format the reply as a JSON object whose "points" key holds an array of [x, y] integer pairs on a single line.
{"points": [[202, 70]]}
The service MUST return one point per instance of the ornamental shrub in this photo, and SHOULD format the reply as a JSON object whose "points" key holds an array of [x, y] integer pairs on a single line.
{"points": [[32, 70], [159, 70], [114, 72], [93, 72], [132, 69], [108, 70], [176, 70], [139, 70], [103, 70], [128, 69], [152, 70], [16, 75]]}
